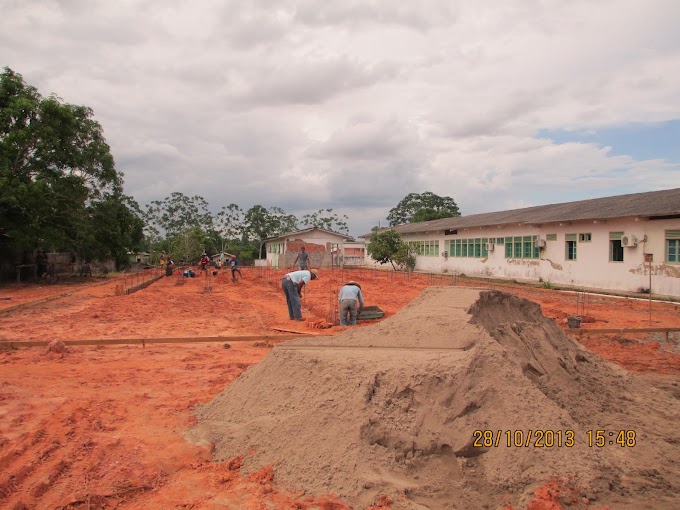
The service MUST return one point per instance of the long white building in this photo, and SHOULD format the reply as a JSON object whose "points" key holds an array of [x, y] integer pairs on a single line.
{"points": [[603, 243]]}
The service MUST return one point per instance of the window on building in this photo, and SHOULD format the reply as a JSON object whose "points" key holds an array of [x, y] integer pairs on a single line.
{"points": [[517, 242], [673, 246], [551, 237], [615, 247], [585, 238], [524, 247], [498, 240], [570, 246], [425, 248], [478, 247]]}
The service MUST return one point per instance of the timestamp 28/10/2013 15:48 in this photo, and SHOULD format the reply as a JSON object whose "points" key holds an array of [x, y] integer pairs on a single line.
{"points": [[548, 438]]}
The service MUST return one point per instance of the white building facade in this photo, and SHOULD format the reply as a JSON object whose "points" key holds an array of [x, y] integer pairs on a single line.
{"points": [[610, 243]]}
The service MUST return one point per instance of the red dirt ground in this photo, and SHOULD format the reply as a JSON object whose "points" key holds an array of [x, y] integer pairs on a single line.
{"points": [[102, 426]]}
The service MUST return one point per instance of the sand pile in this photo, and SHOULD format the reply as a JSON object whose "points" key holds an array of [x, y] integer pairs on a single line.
{"points": [[393, 409]]}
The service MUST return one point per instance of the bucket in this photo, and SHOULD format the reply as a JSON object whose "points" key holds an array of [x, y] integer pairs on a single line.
{"points": [[574, 322]]}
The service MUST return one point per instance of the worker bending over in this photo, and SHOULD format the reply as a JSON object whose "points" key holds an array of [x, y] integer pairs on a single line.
{"points": [[350, 294], [292, 284]]}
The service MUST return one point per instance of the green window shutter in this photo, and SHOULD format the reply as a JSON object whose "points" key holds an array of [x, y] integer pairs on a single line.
{"points": [[551, 237], [572, 237], [672, 234], [615, 235], [508, 249]]}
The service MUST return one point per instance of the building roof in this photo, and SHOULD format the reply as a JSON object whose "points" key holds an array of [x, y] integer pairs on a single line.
{"points": [[311, 229], [649, 204]]}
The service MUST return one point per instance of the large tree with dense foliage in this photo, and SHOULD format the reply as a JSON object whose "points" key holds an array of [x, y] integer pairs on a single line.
{"points": [[261, 223], [417, 207], [177, 213], [115, 227], [56, 173], [386, 246]]}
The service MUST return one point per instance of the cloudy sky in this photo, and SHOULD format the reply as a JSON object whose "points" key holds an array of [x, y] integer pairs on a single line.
{"points": [[351, 105]]}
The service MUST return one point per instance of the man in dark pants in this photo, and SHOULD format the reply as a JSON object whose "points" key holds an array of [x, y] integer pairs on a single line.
{"points": [[292, 284], [233, 264], [41, 262], [302, 259]]}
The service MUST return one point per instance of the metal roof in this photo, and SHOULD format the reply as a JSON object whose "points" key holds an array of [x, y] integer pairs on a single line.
{"points": [[649, 204]]}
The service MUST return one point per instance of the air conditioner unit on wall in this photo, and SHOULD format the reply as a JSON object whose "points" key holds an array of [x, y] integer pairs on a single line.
{"points": [[489, 246], [540, 243], [629, 241]]}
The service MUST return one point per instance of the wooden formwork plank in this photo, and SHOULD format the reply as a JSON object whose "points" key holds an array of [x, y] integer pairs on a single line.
{"points": [[144, 341], [623, 330]]}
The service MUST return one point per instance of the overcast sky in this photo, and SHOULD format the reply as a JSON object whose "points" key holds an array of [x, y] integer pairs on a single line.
{"points": [[351, 105]]}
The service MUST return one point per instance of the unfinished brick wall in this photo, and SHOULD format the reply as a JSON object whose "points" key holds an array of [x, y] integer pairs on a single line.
{"points": [[319, 254]]}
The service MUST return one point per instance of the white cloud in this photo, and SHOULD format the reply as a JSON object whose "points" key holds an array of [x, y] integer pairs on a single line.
{"points": [[354, 104]]}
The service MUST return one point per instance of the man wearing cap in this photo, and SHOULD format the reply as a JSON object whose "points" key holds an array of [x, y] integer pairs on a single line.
{"points": [[349, 295], [292, 284]]}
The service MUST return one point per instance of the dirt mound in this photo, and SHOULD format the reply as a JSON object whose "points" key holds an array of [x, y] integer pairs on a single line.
{"points": [[57, 347], [462, 400]]}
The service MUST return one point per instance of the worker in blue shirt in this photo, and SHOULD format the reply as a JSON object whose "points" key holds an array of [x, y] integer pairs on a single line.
{"points": [[349, 295]]}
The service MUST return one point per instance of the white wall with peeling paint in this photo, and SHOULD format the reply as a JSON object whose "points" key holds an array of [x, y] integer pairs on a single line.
{"points": [[592, 267]]}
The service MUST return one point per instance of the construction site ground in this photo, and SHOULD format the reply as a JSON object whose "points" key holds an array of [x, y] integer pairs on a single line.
{"points": [[104, 426]]}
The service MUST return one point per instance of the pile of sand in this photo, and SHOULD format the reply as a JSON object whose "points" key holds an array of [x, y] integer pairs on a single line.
{"points": [[393, 408]]}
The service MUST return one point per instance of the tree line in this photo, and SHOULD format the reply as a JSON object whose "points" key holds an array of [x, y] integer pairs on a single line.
{"points": [[60, 191]]}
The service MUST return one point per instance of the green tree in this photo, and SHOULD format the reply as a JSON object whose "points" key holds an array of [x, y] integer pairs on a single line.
{"points": [[326, 219], [177, 213], [115, 229], [416, 207], [55, 168], [188, 245], [261, 223], [405, 257], [229, 226], [385, 247]]}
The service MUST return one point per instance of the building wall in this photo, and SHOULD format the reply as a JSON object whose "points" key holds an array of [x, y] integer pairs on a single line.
{"points": [[281, 252], [592, 267]]}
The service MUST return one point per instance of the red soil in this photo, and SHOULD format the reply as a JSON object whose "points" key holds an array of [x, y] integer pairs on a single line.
{"points": [[102, 426]]}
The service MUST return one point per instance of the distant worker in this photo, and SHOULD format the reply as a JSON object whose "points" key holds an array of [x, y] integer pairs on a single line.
{"points": [[162, 259], [41, 262], [169, 266], [302, 259], [205, 260], [349, 295], [233, 264], [292, 284]]}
